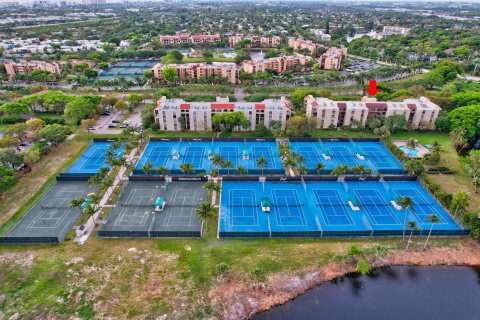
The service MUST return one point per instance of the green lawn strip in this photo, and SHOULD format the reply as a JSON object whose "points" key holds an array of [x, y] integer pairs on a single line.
{"points": [[342, 134], [45, 187], [184, 134], [215, 58]]}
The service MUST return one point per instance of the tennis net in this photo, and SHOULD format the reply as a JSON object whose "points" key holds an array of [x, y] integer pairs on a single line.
{"points": [[272, 205], [55, 207]]}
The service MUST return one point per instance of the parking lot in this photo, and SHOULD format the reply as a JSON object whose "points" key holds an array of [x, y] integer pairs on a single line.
{"points": [[113, 122]]}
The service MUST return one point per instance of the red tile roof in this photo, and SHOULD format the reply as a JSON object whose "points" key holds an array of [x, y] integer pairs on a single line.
{"points": [[314, 104], [412, 106], [341, 105], [221, 106], [259, 106], [378, 105], [185, 106]]}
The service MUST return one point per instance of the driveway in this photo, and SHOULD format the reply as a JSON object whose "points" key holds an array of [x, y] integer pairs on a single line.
{"points": [[135, 117]]}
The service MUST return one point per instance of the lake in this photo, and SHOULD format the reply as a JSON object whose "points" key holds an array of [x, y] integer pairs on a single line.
{"points": [[396, 293]]}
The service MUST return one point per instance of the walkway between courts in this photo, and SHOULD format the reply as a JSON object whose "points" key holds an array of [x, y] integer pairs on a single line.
{"points": [[89, 226]]}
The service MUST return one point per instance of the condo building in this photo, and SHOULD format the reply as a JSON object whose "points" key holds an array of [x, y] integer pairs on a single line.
{"points": [[26, 67], [277, 64], [299, 44], [332, 59], [197, 116], [196, 71], [393, 30], [256, 41], [417, 112], [186, 38]]}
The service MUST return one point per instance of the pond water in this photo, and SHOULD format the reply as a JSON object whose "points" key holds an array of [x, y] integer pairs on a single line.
{"points": [[397, 293]]}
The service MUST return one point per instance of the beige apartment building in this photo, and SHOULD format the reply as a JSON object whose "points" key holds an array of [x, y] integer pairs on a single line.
{"points": [[393, 30], [198, 115], [417, 112], [277, 64], [299, 44], [196, 71], [256, 41], [26, 67], [186, 38], [332, 59]]}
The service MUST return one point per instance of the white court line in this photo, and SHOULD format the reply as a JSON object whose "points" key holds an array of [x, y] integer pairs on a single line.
{"points": [[424, 214], [171, 212], [232, 209], [126, 212], [277, 211], [327, 216], [380, 212]]}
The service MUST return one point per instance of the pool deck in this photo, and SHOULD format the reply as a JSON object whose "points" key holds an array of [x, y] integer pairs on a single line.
{"points": [[420, 148]]}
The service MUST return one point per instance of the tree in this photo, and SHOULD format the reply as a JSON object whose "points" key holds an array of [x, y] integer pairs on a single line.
{"points": [[448, 69], [395, 123], [383, 132], [35, 124], [8, 142], [302, 170], [106, 184], [133, 101], [319, 167], [187, 168], [298, 126], [240, 170], [412, 225], [230, 120], [147, 168], [207, 55], [433, 219], [262, 163], [363, 267], [414, 167], [77, 203], [227, 165], [14, 108], [169, 74], [340, 170], [433, 79], [163, 171], [412, 143], [473, 167], [80, 108], [459, 203], [148, 74], [373, 124], [120, 105], [8, 157], [205, 211], [217, 161], [18, 130], [297, 97], [90, 211], [467, 118], [406, 203], [86, 124], [459, 139], [7, 177], [31, 156], [54, 133]]}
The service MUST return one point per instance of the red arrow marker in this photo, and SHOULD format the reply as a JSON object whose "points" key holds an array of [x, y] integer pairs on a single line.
{"points": [[373, 90]]}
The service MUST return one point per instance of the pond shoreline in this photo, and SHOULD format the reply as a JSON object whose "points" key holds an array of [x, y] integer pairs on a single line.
{"points": [[241, 300]]}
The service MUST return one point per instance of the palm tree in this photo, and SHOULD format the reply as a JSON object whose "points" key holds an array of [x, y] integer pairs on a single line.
{"points": [[436, 147], [302, 170], [241, 170], [163, 171], [360, 169], [412, 143], [106, 184], [187, 168], [406, 203], [228, 165], [460, 203], [77, 203], [262, 163], [147, 167], [90, 211], [319, 167], [340, 170], [217, 161], [433, 219], [94, 180], [299, 158], [95, 199], [205, 210], [412, 225], [414, 167], [102, 172]]}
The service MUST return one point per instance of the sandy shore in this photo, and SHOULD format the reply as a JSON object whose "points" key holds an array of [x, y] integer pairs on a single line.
{"points": [[241, 300]]}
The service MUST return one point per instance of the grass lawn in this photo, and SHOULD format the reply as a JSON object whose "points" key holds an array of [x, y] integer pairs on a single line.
{"points": [[216, 58], [185, 134], [342, 134], [4, 126]]}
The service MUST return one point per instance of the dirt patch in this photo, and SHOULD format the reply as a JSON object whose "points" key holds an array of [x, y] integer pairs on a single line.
{"points": [[240, 299], [18, 259]]}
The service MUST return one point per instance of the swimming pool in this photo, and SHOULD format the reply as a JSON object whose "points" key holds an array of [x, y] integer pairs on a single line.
{"points": [[198, 153], [409, 152], [322, 209], [331, 154]]}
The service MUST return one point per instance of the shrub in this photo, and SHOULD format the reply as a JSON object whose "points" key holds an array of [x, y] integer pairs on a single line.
{"points": [[12, 118], [221, 269], [258, 274]]}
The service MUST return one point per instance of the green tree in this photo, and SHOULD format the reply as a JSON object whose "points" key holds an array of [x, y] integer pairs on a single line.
{"points": [[205, 211], [7, 177], [319, 167], [81, 108], [412, 225], [133, 101], [433, 79], [406, 203], [262, 163], [472, 164], [169, 74], [14, 108], [54, 133], [340, 170], [120, 105], [147, 168], [433, 219], [414, 167], [459, 203], [163, 171], [207, 55], [8, 157], [148, 74], [187, 168], [363, 267], [17, 130], [241, 170], [467, 118], [395, 123]]}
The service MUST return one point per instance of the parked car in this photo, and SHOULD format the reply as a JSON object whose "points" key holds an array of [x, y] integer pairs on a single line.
{"points": [[115, 121], [112, 125]]}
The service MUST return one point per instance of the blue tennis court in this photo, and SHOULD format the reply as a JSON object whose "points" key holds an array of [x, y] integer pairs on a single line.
{"points": [[333, 208], [171, 154], [372, 155], [93, 159], [326, 209]]}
